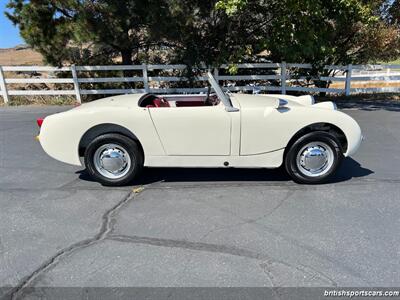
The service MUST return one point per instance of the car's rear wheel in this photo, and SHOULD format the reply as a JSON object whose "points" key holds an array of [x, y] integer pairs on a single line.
{"points": [[113, 159], [313, 158]]}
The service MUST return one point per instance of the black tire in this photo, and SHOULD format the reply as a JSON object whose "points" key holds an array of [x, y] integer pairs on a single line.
{"points": [[131, 147], [299, 175]]}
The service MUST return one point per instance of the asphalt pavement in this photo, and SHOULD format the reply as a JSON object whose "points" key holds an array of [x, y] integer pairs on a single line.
{"points": [[198, 227]]}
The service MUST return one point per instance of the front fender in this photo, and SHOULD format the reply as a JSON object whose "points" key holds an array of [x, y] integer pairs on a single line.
{"points": [[266, 130]]}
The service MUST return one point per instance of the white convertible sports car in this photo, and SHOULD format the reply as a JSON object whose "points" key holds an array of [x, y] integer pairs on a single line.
{"points": [[115, 137]]}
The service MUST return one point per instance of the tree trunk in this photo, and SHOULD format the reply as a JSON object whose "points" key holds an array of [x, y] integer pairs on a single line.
{"points": [[126, 55]]}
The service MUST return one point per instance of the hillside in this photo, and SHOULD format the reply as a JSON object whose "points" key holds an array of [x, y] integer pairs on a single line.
{"points": [[19, 55]]}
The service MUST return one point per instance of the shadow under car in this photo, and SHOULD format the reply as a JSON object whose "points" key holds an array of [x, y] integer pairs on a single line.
{"points": [[349, 169]]}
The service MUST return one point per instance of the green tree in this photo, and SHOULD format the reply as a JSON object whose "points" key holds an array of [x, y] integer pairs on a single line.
{"points": [[84, 31], [204, 34], [210, 31], [324, 31]]}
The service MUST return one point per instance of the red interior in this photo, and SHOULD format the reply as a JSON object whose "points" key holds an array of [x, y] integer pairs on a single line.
{"points": [[160, 102], [189, 103]]}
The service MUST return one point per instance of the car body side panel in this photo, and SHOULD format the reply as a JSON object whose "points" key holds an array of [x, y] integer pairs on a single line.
{"points": [[265, 129], [204, 130], [235, 129], [267, 160], [61, 133]]}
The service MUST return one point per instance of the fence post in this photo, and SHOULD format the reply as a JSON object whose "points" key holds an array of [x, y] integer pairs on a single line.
{"points": [[348, 80], [145, 78], [283, 78], [3, 87], [76, 84]]}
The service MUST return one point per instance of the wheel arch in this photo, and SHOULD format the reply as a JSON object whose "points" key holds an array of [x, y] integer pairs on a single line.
{"points": [[320, 126], [105, 128]]}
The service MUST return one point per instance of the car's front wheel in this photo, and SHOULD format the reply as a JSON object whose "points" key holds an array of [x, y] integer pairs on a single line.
{"points": [[313, 158], [113, 159]]}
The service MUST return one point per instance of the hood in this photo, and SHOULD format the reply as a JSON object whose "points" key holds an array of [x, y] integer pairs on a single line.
{"points": [[274, 101]]}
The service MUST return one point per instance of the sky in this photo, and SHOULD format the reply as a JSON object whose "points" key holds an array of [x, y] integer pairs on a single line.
{"points": [[9, 35]]}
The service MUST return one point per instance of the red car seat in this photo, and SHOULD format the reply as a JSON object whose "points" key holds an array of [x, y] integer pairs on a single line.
{"points": [[160, 102]]}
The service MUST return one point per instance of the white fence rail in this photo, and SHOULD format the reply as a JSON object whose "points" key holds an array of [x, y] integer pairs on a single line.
{"points": [[280, 73]]}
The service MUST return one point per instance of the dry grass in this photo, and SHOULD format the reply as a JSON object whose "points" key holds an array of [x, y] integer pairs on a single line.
{"points": [[367, 98], [366, 84], [19, 57], [39, 100]]}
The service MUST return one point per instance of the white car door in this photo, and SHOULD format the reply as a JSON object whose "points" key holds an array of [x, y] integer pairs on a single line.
{"points": [[200, 130]]}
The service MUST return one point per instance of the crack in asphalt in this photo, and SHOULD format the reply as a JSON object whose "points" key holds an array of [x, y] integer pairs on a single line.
{"points": [[280, 185], [188, 245], [315, 252], [309, 249], [220, 249], [105, 233], [292, 241], [105, 229], [195, 246], [307, 270], [201, 246], [248, 221]]}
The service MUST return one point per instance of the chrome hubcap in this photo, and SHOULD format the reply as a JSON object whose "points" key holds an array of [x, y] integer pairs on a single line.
{"points": [[315, 159], [112, 161]]}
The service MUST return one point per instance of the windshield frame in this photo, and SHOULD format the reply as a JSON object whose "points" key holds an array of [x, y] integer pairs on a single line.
{"points": [[226, 100]]}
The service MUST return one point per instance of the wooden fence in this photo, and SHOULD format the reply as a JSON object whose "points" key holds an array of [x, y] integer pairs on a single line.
{"points": [[280, 79]]}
